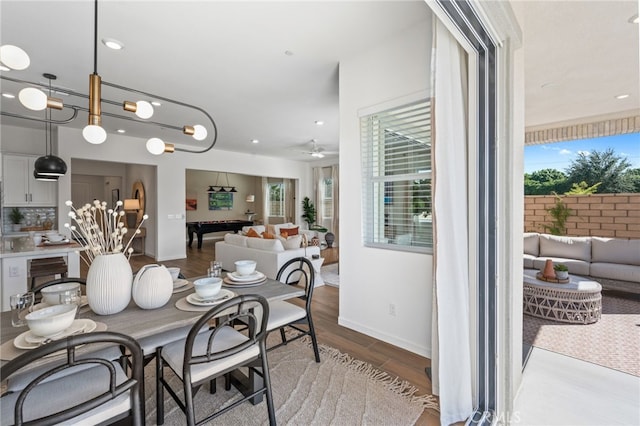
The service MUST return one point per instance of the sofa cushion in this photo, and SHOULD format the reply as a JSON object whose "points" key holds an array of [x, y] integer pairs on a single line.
{"points": [[288, 232], [565, 247], [532, 243], [235, 239], [615, 250], [616, 271], [279, 226], [262, 244], [291, 243], [252, 233], [576, 267], [528, 261]]}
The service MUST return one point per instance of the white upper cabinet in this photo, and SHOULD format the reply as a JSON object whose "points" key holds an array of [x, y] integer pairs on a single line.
{"points": [[20, 186]]}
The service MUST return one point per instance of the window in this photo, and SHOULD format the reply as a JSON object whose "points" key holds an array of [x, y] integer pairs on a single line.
{"points": [[327, 198], [396, 155], [276, 199]]}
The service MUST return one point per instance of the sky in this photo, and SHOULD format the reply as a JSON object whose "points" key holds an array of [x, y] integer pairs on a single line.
{"points": [[559, 155]]}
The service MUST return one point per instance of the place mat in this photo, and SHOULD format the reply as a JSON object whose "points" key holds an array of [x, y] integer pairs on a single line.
{"points": [[8, 351], [55, 243], [186, 287]]}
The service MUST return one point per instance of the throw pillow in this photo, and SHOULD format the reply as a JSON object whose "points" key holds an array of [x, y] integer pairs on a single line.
{"points": [[292, 242], [252, 233], [289, 231], [268, 236]]}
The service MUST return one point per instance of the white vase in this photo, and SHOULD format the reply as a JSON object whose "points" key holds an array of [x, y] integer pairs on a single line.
{"points": [[109, 283], [152, 287]]}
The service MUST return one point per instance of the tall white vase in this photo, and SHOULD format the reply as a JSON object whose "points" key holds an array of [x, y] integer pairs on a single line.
{"points": [[109, 283]]}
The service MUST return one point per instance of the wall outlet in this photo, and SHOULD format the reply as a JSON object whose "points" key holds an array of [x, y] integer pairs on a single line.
{"points": [[392, 309], [14, 271]]}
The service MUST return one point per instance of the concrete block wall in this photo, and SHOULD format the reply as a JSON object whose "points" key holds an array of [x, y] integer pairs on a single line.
{"points": [[599, 215]]}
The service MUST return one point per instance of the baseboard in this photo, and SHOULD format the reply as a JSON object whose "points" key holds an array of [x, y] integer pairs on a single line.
{"points": [[424, 351]]}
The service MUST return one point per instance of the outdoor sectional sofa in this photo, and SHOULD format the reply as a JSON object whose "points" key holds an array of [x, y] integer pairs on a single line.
{"points": [[614, 262]]}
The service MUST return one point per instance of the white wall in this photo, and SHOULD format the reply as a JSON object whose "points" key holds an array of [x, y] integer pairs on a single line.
{"points": [[170, 171], [371, 279]]}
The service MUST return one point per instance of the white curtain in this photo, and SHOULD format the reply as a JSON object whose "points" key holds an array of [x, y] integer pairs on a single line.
{"points": [[265, 200], [289, 206], [451, 358], [335, 223]]}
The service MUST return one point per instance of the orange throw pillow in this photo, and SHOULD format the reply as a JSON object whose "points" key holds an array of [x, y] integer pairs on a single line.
{"points": [[268, 236], [289, 231], [283, 233], [252, 233]]}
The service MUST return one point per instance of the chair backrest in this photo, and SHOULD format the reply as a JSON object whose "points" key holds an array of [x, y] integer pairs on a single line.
{"points": [[37, 289], [296, 270], [251, 309], [71, 360]]}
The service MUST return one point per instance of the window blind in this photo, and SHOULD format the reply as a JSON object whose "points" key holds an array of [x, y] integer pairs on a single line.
{"points": [[396, 156]]}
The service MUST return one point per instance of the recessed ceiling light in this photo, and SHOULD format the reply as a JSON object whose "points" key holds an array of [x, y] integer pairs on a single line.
{"points": [[9, 95], [3, 68], [112, 43], [288, 53], [155, 103], [626, 95], [121, 131], [255, 141], [319, 123]]}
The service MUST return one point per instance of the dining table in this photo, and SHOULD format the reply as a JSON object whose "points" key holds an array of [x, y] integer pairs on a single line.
{"points": [[140, 323]]}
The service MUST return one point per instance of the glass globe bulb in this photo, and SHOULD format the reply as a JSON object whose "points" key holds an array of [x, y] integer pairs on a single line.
{"points": [[14, 57], [155, 146], [144, 109], [94, 134], [32, 98], [200, 132]]}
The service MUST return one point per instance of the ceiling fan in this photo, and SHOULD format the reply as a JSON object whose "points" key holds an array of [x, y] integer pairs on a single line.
{"points": [[317, 151]]}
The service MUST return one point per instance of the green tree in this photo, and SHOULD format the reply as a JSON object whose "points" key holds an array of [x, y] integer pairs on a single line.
{"points": [[559, 214], [544, 182], [582, 189], [605, 167], [632, 177]]}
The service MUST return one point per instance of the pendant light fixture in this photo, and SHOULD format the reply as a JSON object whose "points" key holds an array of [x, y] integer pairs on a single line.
{"points": [[49, 167], [33, 98], [222, 188]]}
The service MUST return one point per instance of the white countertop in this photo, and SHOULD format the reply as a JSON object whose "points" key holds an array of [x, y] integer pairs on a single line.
{"points": [[29, 251]]}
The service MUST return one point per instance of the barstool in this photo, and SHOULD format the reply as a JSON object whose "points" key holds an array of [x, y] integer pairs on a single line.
{"points": [[46, 267]]}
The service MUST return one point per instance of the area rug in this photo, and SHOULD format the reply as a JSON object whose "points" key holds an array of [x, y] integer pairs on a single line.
{"points": [[613, 341], [339, 390], [330, 274]]}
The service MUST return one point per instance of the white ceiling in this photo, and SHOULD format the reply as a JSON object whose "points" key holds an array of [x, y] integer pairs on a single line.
{"points": [[229, 59]]}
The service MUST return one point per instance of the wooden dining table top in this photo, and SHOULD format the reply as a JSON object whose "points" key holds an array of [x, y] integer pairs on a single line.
{"points": [[139, 323]]}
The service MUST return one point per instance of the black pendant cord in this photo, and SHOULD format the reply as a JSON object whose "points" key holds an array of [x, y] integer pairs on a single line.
{"points": [[95, 37]]}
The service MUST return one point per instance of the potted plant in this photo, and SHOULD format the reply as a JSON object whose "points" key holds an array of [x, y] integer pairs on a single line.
{"points": [[562, 272], [16, 216], [309, 215]]}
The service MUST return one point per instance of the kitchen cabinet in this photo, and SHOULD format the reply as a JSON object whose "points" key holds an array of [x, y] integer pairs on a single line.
{"points": [[20, 186]]}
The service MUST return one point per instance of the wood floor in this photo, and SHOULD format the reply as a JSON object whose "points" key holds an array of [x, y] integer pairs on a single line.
{"points": [[391, 359]]}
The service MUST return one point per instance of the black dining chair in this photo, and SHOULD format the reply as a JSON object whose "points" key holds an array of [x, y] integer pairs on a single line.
{"points": [[216, 352], [76, 380], [296, 271]]}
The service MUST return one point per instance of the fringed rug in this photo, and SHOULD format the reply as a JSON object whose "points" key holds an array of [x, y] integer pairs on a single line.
{"points": [[340, 390], [613, 341], [330, 274]]}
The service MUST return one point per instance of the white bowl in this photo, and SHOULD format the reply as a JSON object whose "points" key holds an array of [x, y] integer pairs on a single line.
{"points": [[55, 237], [51, 294], [174, 271], [207, 288], [52, 320], [245, 267]]}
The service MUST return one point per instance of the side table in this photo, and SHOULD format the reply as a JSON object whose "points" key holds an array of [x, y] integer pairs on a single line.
{"points": [[317, 265]]}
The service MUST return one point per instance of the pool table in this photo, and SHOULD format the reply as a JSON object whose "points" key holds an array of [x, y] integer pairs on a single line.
{"points": [[201, 228]]}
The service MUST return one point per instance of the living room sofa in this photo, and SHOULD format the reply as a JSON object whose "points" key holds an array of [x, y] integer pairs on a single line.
{"points": [[270, 254], [615, 259]]}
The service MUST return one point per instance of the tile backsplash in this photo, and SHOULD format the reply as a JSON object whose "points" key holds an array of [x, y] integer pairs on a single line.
{"points": [[34, 217]]}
